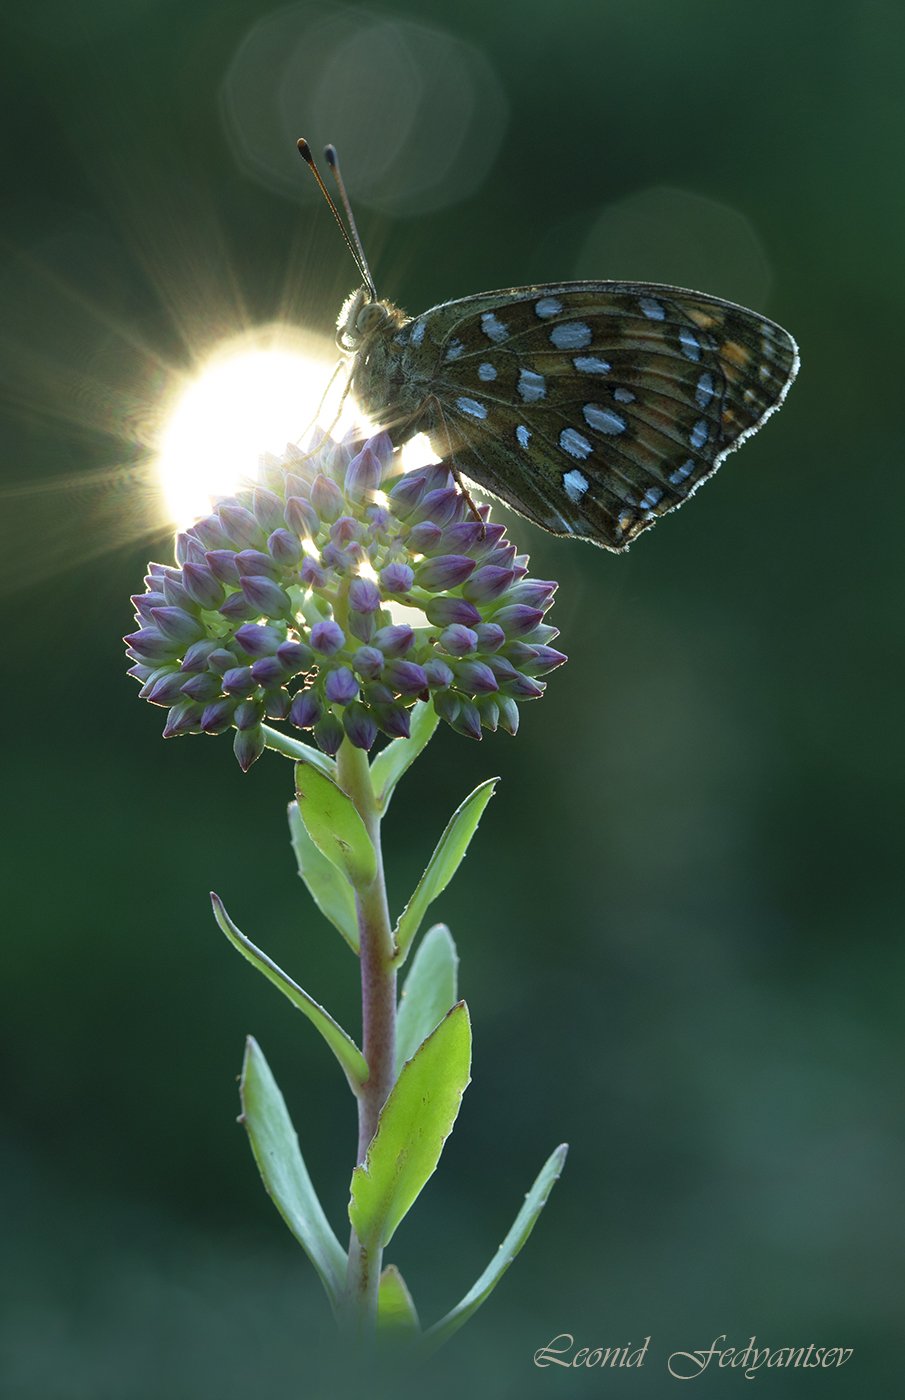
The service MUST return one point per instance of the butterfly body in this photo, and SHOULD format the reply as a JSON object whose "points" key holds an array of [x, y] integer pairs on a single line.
{"points": [[592, 408]]}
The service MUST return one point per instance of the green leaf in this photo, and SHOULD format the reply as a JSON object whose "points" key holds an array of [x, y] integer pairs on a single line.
{"points": [[334, 825], [393, 761], [294, 748], [524, 1223], [443, 864], [327, 886], [395, 1309], [283, 1171], [429, 991], [413, 1125], [344, 1048]]}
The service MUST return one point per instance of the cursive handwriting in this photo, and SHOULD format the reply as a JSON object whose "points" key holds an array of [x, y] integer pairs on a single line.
{"points": [[688, 1365], [555, 1352]]}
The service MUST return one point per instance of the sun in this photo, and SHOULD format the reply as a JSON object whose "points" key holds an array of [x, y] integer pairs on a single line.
{"points": [[256, 392]]}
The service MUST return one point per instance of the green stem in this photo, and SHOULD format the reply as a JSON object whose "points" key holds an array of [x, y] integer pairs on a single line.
{"points": [[378, 1011]]}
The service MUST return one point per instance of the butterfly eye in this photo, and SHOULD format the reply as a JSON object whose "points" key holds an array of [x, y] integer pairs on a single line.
{"points": [[371, 317]]}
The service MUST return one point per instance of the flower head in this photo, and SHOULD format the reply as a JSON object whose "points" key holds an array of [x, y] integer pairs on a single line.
{"points": [[320, 600]]}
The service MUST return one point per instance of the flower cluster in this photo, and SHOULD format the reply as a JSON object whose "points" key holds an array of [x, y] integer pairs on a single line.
{"points": [[320, 599]]}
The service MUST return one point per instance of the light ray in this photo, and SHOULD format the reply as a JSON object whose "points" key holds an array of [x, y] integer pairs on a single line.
{"points": [[258, 392]]}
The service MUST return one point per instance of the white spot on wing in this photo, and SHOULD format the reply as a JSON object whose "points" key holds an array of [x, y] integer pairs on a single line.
{"points": [[652, 496], [471, 407], [493, 327], [548, 306], [523, 435], [605, 420], [591, 364], [704, 391], [575, 444], [652, 309], [486, 372], [531, 386], [571, 335], [456, 349], [575, 484], [699, 433], [681, 473], [418, 330], [623, 396], [690, 344]]}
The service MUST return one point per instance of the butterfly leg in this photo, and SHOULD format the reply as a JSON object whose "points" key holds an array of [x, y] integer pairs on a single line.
{"points": [[469, 499], [329, 430], [435, 404]]}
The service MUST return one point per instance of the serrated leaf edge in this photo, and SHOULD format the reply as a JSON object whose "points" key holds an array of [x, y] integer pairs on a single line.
{"points": [[516, 1238], [351, 1060], [362, 1169], [402, 948]]}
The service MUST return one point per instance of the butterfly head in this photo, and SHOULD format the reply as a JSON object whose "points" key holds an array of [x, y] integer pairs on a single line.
{"points": [[361, 317]]}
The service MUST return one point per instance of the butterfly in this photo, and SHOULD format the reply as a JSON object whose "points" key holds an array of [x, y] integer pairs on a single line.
{"points": [[591, 408]]}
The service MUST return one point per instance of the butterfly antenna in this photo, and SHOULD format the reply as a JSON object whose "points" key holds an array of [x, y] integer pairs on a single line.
{"points": [[332, 160], [357, 255]]}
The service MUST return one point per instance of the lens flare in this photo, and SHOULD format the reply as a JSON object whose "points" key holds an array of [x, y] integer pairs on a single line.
{"points": [[255, 394]]}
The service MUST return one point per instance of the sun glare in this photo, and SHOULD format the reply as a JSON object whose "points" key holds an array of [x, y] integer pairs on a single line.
{"points": [[417, 452], [257, 393]]}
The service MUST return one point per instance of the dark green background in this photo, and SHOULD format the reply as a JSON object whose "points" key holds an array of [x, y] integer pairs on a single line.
{"points": [[679, 923]]}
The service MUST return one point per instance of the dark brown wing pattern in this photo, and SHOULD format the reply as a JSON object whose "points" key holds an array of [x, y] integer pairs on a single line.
{"points": [[595, 408]]}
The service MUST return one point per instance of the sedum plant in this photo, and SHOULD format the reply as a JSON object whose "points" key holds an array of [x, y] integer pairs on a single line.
{"points": [[344, 600]]}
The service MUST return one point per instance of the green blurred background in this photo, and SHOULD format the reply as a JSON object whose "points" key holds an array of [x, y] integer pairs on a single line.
{"points": [[679, 923]]}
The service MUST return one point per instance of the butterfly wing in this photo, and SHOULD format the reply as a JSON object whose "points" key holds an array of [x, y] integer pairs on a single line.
{"points": [[593, 408]]}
